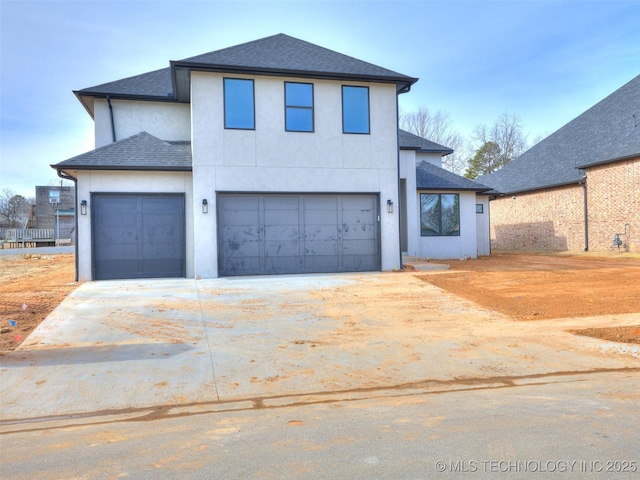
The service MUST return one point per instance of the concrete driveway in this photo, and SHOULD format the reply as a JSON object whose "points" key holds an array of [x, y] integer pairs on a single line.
{"points": [[134, 347]]}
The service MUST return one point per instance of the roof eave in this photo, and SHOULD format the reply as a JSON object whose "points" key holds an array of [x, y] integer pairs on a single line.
{"points": [[182, 88], [60, 167], [611, 160]]}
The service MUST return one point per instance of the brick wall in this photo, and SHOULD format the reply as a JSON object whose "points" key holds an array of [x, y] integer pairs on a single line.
{"points": [[546, 220], [553, 219], [613, 197]]}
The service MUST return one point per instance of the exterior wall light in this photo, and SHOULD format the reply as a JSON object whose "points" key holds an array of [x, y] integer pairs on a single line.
{"points": [[83, 207], [205, 206], [389, 206]]}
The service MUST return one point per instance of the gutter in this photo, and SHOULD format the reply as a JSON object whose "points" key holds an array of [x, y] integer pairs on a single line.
{"points": [[75, 217]]}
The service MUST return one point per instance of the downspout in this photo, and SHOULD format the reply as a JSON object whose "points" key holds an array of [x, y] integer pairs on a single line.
{"points": [[583, 182], [75, 217], [113, 126], [400, 200]]}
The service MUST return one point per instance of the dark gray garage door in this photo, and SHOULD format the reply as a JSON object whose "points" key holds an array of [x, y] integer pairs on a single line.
{"points": [[138, 235], [274, 234]]}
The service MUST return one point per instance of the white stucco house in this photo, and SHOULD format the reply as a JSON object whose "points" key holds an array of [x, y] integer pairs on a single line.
{"points": [[273, 156]]}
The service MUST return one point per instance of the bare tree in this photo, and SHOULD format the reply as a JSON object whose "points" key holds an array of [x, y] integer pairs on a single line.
{"points": [[437, 127], [506, 132], [14, 209]]}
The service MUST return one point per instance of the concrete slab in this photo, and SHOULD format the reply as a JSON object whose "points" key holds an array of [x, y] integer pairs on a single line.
{"points": [[113, 346]]}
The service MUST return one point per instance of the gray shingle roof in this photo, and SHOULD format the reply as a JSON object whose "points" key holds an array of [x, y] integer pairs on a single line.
{"points": [[409, 141], [283, 53], [603, 134], [431, 177], [277, 54], [152, 84], [138, 152]]}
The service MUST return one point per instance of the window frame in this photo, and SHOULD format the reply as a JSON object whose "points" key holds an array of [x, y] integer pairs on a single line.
{"points": [[440, 222], [225, 103], [479, 208], [368, 112], [288, 107]]}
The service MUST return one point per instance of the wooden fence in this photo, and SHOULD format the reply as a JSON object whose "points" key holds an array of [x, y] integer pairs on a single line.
{"points": [[27, 237]]}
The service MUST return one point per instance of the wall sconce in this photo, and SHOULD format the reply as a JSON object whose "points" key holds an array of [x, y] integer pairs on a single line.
{"points": [[389, 206], [205, 206], [83, 207]]}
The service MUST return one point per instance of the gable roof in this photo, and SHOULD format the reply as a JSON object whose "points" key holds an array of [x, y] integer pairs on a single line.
{"points": [[432, 177], [607, 132], [409, 141], [275, 55], [138, 152]]}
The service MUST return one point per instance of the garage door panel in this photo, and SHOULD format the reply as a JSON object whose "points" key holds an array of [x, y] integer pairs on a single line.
{"points": [[296, 233], [138, 235]]}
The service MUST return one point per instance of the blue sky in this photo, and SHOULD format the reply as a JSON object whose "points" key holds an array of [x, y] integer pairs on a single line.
{"points": [[545, 60]]}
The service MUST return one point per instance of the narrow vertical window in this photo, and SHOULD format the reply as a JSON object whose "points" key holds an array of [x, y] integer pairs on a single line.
{"points": [[239, 104], [298, 100], [355, 109]]}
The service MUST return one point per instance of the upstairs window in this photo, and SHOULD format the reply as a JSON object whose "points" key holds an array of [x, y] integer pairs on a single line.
{"points": [[298, 102], [239, 102], [355, 109], [439, 214], [54, 196]]}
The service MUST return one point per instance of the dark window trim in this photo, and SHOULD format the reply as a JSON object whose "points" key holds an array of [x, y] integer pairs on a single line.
{"points": [[440, 224], [312, 108], [368, 132], [479, 208], [224, 102]]}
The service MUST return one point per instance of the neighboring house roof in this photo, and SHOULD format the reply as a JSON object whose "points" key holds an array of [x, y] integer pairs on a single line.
{"points": [[607, 132], [409, 141], [275, 55], [138, 152], [432, 177]]}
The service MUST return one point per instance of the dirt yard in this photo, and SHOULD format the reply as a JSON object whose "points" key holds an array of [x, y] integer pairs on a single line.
{"points": [[537, 287], [524, 287], [32, 286]]}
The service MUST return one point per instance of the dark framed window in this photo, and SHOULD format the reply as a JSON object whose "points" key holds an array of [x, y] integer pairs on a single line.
{"points": [[355, 109], [298, 106], [239, 101], [479, 208], [439, 214]]}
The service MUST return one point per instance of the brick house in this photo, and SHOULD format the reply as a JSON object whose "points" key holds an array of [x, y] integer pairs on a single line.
{"points": [[576, 189]]}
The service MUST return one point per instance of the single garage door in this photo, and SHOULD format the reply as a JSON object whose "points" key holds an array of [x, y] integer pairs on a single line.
{"points": [[276, 234], [138, 236]]}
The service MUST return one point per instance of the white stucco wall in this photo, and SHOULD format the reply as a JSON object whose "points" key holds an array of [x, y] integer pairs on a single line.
{"points": [[129, 182], [269, 159], [165, 120], [482, 226], [464, 245]]}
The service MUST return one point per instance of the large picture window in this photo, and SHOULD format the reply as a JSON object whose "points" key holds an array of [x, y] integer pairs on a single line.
{"points": [[298, 100], [439, 214], [239, 104], [355, 109]]}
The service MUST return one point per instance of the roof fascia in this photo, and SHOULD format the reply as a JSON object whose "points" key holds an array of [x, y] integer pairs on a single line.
{"points": [[611, 160], [120, 168], [403, 84]]}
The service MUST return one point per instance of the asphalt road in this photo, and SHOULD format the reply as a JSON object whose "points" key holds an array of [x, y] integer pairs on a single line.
{"points": [[564, 426]]}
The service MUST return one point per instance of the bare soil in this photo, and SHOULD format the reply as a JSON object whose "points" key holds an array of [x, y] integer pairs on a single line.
{"points": [[524, 287], [537, 287], [31, 287]]}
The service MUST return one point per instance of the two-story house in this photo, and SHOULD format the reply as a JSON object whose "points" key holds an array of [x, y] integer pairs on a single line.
{"points": [[273, 156]]}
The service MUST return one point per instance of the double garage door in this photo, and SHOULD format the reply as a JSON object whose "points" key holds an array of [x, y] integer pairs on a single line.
{"points": [[138, 235], [278, 234]]}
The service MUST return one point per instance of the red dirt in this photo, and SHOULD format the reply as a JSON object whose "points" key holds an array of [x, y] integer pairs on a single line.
{"points": [[537, 287], [32, 286]]}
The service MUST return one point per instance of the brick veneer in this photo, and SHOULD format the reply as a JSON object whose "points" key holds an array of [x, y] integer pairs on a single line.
{"points": [[553, 219]]}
